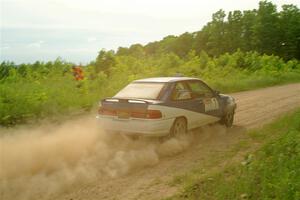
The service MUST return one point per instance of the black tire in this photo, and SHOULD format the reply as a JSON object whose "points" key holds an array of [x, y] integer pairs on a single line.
{"points": [[179, 127], [228, 118]]}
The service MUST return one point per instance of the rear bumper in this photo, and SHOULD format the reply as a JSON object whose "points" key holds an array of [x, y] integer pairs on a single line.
{"points": [[142, 127]]}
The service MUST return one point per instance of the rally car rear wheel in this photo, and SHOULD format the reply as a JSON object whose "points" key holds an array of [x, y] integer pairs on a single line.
{"points": [[179, 127], [227, 119]]}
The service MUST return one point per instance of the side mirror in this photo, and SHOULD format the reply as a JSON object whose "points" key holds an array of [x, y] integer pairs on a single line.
{"points": [[217, 92]]}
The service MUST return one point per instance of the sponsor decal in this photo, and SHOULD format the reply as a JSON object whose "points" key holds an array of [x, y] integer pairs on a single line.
{"points": [[211, 104]]}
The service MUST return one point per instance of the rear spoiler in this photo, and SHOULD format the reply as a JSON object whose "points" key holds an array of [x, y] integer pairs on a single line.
{"points": [[121, 100]]}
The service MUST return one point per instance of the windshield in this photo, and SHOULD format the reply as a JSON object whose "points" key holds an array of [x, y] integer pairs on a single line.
{"points": [[141, 91]]}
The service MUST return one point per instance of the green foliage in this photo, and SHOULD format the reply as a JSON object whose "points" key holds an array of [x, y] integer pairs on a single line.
{"points": [[34, 91], [264, 30], [40, 90], [104, 61], [273, 172]]}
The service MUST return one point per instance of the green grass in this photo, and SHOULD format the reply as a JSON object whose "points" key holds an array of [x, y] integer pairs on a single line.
{"points": [[253, 81], [272, 172]]}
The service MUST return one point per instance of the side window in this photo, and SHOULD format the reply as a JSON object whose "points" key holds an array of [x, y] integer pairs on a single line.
{"points": [[181, 92], [200, 90]]}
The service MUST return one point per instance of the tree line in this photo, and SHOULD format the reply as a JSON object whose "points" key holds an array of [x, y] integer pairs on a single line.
{"points": [[265, 30]]}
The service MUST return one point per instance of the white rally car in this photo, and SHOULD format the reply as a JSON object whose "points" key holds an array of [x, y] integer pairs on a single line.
{"points": [[165, 106]]}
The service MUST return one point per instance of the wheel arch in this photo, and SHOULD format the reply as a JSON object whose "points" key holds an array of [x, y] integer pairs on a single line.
{"points": [[183, 117], [176, 118]]}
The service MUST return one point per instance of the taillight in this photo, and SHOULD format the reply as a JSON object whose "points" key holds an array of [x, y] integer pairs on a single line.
{"points": [[138, 114], [149, 114], [154, 114], [103, 111]]}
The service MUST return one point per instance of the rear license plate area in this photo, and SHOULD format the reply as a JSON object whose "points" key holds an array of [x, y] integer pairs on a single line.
{"points": [[123, 115]]}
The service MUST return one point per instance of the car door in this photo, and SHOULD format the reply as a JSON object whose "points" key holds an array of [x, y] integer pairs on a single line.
{"points": [[182, 103], [206, 101]]}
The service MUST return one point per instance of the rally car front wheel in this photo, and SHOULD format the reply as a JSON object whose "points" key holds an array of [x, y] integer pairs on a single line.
{"points": [[179, 127], [227, 119]]}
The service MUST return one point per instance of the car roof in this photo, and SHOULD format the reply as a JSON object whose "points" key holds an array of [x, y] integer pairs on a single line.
{"points": [[164, 79]]}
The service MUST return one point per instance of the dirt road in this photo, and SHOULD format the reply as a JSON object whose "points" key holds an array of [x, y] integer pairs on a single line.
{"points": [[121, 169]]}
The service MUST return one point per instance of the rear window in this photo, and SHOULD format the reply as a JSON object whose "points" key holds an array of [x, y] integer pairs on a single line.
{"points": [[141, 91]]}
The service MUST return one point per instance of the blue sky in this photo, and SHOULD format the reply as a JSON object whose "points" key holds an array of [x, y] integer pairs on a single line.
{"points": [[76, 30]]}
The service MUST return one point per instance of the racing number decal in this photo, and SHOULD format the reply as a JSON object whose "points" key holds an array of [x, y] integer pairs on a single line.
{"points": [[211, 104]]}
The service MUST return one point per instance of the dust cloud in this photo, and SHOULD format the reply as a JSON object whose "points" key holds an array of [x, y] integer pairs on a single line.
{"points": [[45, 161]]}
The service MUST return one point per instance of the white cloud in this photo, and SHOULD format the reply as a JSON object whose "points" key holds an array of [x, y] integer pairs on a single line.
{"points": [[37, 44], [79, 50], [4, 47], [91, 39]]}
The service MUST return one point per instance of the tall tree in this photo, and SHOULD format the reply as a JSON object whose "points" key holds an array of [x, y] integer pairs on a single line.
{"points": [[248, 34], [216, 31], [290, 32], [105, 61], [234, 31], [266, 29]]}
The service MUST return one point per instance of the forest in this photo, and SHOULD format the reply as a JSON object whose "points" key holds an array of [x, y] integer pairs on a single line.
{"points": [[235, 51], [264, 30]]}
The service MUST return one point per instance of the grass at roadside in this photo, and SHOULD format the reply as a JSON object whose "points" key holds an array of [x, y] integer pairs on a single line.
{"points": [[252, 81], [272, 172]]}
